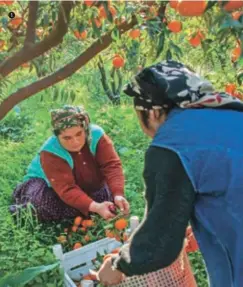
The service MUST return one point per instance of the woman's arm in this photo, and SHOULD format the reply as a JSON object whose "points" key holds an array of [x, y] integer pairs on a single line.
{"points": [[110, 165], [170, 198], [61, 178]]}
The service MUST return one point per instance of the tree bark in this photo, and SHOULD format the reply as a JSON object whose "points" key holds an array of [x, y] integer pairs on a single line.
{"points": [[31, 24], [28, 91]]}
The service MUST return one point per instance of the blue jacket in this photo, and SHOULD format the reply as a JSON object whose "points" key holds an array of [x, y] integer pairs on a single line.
{"points": [[209, 143], [52, 145]]}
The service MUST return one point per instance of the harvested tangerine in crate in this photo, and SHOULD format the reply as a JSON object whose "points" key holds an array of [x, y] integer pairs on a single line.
{"points": [[121, 224]]}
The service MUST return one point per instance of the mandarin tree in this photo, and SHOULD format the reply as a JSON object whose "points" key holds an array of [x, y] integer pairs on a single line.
{"points": [[121, 35]]}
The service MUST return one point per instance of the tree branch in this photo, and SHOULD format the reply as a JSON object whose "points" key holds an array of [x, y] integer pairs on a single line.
{"points": [[104, 81], [113, 84], [63, 73], [31, 24], [119, 88], [28, 53]]}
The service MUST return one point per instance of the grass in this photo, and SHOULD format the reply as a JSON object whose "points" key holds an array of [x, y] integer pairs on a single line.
{"points": [[29, 244]]}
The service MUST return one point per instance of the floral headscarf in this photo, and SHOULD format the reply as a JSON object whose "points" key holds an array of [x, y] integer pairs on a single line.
{"points": [[169, 84], [70, 116]]}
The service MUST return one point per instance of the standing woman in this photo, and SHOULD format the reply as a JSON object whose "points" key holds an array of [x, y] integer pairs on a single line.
{"points": [[75, 172], [193, 172]]}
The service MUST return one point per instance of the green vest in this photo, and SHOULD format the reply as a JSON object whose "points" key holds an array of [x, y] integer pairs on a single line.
{"points": [[53, 146]]}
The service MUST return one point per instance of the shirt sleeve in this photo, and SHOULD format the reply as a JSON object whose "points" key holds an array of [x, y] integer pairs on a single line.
{"points": [[158, 240], [61, 178], [110, 165]]}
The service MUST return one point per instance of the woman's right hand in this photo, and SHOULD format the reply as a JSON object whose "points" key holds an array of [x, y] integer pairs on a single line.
{"points": [[102, 209]]}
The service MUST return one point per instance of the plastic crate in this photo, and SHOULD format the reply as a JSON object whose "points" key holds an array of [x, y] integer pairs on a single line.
{"points": [[78, 262]]}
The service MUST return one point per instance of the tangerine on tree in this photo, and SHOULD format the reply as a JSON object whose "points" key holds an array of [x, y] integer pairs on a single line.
{"points": [[236, 53], [191, 8], [175, 26], [232, 5], [83, 35], [135, 33], [118, 62]]}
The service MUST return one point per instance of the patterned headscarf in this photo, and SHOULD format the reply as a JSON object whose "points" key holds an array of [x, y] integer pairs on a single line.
{"points": [[70, 116], [170, 84]]}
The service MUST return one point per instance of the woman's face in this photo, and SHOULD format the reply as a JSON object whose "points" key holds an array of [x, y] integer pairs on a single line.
{"points": [[72, 139]]}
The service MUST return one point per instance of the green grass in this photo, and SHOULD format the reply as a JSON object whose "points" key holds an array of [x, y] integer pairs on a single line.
{"points": [[29, 244]]}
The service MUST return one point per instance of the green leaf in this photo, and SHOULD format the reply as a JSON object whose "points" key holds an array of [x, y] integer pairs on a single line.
{"points": [[177, 49], [107, 11], [54, 15], [4, 21], [55, 94], [161, 44], [73, 96], [95, 28], [240, 78], [168, 55], [210, 5], [46, 20], [115, 35], [231, 23], [21, 278]]}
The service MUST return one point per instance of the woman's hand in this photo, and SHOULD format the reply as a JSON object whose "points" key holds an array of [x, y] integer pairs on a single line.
{"points": [[122, 204], [108, 276], [102, 209]]}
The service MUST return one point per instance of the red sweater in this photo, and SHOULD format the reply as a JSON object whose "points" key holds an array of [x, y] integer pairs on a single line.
{"points": [[88, 175]]}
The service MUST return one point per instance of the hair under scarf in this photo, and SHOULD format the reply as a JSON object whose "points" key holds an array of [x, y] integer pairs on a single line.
{"points": [[170, 84]]}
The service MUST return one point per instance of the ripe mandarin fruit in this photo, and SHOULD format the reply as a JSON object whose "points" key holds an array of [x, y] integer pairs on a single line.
{"points": [[62, 239], [118, 62], [77, 221], [175, 26], [109, 234], [87, 238], [191, 8], [83, 35], [88, 223], [76, 34], [77, 245], [230, 88], [173, 4], [16, 21], [74, 228], [196, 39], [236, 53], [135, 33], [121, 224], [102, 12], [88, 3], [232, 5]]}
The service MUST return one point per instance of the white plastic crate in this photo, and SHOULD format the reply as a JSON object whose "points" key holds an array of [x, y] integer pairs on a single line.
{"points": [[78, 262]]}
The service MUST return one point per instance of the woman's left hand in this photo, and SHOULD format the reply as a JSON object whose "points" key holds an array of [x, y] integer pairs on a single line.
{"points": [[107, 276], [122, 203]]}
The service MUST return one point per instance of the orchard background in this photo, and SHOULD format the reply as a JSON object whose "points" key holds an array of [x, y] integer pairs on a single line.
{"points": [[83, 52]]}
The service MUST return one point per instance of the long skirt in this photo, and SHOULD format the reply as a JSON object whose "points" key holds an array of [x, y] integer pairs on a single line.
{"points": [[47, 204]]}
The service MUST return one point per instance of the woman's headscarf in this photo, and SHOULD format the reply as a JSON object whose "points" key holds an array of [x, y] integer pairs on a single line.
{"points": [[171, 84], [70, 116]]}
